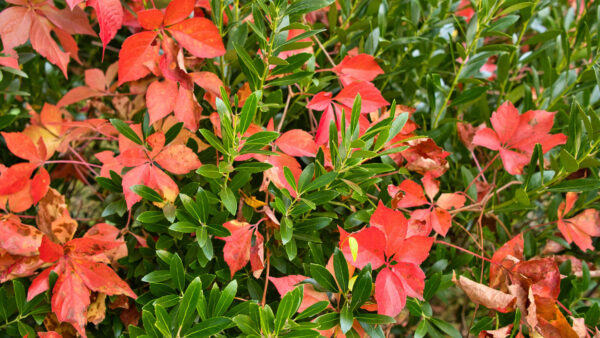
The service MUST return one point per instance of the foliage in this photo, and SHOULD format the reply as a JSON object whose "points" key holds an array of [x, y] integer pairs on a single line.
{"points": [[299, 168]]}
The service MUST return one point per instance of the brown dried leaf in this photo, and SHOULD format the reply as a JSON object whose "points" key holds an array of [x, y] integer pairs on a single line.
{"points": [[484, 295], [53, 217]]}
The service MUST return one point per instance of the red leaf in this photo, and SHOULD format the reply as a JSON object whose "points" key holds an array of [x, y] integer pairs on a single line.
{"points": [[581, 228], [19, 239], [257, 255], [370, 247], [515, 136], [298, 143], [413, 250], [101, 278], [357, 68], [276, 173], [49, 334], [393, 224], [150, 18], [70, 299], [541, 275], [187, 109], [178, 159], [178, 10], [210, 82], [160, 99], [110, 19], [504, 259], [236, 251], [389, 294], [288, 283], [320, 101], [136, 53], [78, 94], [408, 194], [40, 185], [370, 97], [40, 283], [412, 278], [22, 146], [15, 187], [441, 221], [50, 251], [199, 36], [43, 43], [15, 23]]}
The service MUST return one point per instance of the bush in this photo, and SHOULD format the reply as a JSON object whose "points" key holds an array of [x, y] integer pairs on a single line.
{"points": [[299, 168]]}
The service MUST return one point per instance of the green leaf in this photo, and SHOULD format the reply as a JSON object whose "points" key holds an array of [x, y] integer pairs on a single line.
{"points": [[261, 138], [286, 230], [373, 318], [253, 167], [246, 325], [446, 327], [213, 140], [146, 193], [312, 310], [323, 277], [152, 216], [108, 184], [578, 185], [340, 267], [193, 208], [568, 161], [346, 319], [125, 130], [287, 307], [228, 199], [321, 181], [328, 320], [20, 299], [469, 95], [361, 290], [210, 171], [592, 315], [209, 327], [226, 298], [248, 112], [307, 6], [187, 307], [290, 79], [172, 133], [289, 177], [157, 276], [177, 272], [163, 320], [184, 227]]}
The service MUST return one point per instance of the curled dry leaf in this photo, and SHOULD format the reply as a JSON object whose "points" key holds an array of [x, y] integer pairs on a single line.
{"points": [[484, 295]]}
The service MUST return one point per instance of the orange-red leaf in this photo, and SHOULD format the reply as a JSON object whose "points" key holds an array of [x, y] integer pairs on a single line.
{"points": [[297, 142], [160, 99], [136, 56], [357, 68], [101, 278], [199, 36], [178, 159], [110, 18], [178, 10], [50, 251], [236, 251], [150, 18]]}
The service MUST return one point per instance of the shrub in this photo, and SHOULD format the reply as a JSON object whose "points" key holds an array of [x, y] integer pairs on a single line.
{"points": [[299, 168]]}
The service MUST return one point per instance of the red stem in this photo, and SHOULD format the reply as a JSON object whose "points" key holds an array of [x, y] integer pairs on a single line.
{"points": [[464, 250]]}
